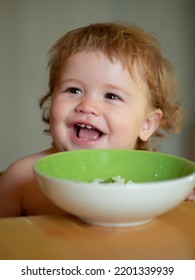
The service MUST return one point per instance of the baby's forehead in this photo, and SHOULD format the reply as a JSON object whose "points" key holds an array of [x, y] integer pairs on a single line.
{"points": [[128, 61], [81, 66]]}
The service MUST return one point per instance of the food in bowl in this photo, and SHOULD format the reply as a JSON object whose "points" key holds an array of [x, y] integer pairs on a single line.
{"points": [[159, 182], [112, 180]]}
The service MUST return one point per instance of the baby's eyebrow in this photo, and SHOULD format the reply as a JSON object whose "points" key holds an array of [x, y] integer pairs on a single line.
{"points": [[116, 87], [66, 80]]}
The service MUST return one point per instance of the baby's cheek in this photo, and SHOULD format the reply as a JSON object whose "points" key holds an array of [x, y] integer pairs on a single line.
{"points": [[56, 114]]}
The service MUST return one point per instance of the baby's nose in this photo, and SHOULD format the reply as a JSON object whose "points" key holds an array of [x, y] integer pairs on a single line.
{"points": [[88, 106]]}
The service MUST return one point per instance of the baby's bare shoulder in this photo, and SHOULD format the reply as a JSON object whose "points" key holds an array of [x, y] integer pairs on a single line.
{"points": [[21, 170], [15, 182]]}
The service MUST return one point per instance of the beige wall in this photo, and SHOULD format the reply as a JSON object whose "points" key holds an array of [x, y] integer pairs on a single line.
{"points": [[28, 29]]}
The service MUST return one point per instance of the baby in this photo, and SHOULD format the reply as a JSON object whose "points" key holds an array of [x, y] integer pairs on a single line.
{"points": [[109, 87]]}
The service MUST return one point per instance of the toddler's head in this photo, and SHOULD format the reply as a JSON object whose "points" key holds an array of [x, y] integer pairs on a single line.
{"points": [[138, 52]]}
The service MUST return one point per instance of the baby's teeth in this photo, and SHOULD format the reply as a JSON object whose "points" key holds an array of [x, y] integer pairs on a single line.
{"points": [[81, 125]]}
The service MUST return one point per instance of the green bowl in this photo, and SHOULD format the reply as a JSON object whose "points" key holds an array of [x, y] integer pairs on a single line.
{"points": [[159, 183]]}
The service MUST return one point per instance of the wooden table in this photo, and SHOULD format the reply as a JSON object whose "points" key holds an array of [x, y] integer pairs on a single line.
{"points": [[171, 236]]}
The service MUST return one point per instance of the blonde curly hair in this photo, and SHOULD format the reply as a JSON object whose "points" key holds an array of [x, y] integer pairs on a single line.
{"points": [[132, 46]]}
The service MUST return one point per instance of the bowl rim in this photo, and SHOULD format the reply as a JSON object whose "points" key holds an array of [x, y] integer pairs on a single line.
{"points": [[83, 184], [189, 177]]}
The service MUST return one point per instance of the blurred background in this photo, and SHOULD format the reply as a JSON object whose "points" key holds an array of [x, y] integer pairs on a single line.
{"points": [[29, 28]]}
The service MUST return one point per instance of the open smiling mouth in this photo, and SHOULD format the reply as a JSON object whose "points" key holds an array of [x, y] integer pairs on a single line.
{"points": [[87, 132]]}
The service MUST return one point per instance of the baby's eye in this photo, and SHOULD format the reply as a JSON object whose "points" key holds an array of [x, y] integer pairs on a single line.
{"points": [[74, 90], [112, 96]]}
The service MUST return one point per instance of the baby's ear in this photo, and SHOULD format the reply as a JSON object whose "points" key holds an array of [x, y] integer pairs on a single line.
{"points": [[151, 124]]}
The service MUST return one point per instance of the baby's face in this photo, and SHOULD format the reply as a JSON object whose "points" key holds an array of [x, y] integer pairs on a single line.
{"points": [[98, 105]]}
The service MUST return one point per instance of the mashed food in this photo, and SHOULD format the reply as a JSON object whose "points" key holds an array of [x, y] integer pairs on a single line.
{"points": [[115, 179]]}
